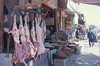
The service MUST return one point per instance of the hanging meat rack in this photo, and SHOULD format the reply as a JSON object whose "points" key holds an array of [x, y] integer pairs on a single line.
{"points": [[23, 8]]}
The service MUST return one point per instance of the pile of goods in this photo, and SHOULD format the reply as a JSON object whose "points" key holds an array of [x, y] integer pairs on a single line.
{"points": [[64, 48], [65, 52], [59, 36]]}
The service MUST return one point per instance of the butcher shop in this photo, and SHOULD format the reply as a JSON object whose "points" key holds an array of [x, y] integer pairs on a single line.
{"points": [[31, 32]]}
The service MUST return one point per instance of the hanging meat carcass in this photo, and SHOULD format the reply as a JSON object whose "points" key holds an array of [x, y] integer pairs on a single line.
{"points": [[26, 47], [18, 53], [23, 39], [32, 49], [33, 36], [41, 49], [41, 23], [33, 32], [43, 29], [27, 34], [22, 31]]}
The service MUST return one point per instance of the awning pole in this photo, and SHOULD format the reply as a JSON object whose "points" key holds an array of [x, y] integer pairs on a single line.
{"points": [[1, 25]]}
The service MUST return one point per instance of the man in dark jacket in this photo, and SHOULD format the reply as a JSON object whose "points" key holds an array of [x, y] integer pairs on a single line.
{"points": [[77, 34], [91, 37]]}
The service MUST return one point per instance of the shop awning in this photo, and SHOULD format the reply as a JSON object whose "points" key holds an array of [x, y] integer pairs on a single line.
{"points": [[76, 16], [69, 12], [45, 7], [52, 4]]}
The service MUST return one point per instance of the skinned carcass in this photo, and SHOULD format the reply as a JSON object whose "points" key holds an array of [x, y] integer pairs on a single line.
{"points": [[18, 52], [41, 49], [32, 49], [22, 31], [33, 32], [33, 36], [23, 39], [41, 22], [43, 27]]}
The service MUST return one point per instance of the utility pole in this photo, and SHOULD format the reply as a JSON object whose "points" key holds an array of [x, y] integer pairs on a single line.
{"points": [[1, 25]]}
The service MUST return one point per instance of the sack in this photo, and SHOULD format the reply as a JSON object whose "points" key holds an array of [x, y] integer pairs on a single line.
{"points": [[61, 54], [72, 47], [69, 49], [66, 51]]}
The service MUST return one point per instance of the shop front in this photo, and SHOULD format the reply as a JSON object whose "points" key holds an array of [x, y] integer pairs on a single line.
{"points": [[35, 36], [26, 34]]}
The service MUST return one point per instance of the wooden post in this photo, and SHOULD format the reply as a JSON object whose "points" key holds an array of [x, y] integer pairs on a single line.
{"points": [[1, 25], [60, 18], [56, 18]]}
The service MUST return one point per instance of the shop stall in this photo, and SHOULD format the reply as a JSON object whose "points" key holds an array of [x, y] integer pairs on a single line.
{"points": [[27, 31], [36, 33]]}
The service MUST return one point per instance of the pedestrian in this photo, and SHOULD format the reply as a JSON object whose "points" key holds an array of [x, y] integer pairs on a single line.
{"points": [[77, 33], [91, 37]]}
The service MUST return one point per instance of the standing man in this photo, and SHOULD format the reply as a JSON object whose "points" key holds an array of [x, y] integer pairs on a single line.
{"points": [[91, 37], [77, 33]]}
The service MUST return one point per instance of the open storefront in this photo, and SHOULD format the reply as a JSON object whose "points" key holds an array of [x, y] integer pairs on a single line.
{"points": [[33, 32]]}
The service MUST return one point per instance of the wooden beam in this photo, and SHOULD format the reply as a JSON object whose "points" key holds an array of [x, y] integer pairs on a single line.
{"points": [[32, 4], [1, 25], [57, 19]]}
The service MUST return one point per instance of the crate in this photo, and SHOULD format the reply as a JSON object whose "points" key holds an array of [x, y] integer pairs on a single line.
{"points": [[60, 62]]}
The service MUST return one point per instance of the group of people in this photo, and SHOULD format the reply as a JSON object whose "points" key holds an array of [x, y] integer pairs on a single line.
{"points": [[80, 34], [90, 35]]}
